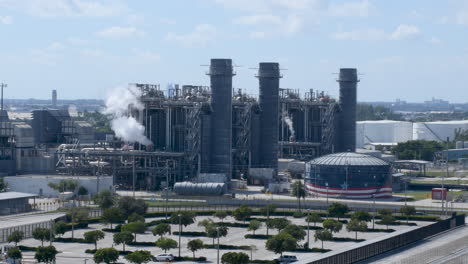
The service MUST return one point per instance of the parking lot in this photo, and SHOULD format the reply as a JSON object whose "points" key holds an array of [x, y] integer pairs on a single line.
{"points": [[75, 252]]}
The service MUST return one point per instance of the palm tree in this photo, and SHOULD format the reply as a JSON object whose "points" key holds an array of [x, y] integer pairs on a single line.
{"points": [[298, 191]]}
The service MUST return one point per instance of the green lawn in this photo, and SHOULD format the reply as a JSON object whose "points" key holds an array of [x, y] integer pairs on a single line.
{"points": [[440, 182], [174, 204], [416, 195]]}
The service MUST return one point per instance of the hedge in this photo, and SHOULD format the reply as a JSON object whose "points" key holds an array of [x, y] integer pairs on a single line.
{"points": [[221, 246], [71, 240], [26, 248], [229, 224], [258, 236], [314, 250], [397, 223], [77, 226], [142, 244], [263, 261], [122, 253], [346, 239], [190, 234], [197, 259], [113, 230]]}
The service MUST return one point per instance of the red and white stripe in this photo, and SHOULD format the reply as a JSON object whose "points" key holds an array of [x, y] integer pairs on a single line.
{"points": [[323, 191]]}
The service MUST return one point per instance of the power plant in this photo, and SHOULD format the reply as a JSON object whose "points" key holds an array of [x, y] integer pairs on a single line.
{"points": [[191, 133]]}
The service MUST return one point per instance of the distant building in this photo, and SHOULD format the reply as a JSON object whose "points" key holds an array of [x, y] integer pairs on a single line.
{"points": [[54, 98]]}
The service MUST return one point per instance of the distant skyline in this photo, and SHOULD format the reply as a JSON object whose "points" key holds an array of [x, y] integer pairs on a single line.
{"points": [[412, 50]]}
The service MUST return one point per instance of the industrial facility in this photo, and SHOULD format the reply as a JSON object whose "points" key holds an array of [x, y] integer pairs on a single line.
{"points": [[348, 175], [197, 130], [390, 132], [194, 131]]}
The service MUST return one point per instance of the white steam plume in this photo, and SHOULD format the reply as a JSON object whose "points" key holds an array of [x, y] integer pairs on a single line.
{"points": [[288, 121], [119, 103]]}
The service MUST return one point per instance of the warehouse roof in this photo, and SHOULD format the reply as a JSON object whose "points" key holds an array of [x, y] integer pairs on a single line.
{"points": [[348, 159], [15, 195]]}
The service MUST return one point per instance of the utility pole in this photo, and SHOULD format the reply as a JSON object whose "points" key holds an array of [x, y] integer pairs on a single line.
{"points": [[133, 170], [308, 223], [167, 188], [217, 256], [180, 229], [444, 194], [3, 85]]}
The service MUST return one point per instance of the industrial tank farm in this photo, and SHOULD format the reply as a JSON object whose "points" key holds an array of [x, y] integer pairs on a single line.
{"points": [[348, 175]]}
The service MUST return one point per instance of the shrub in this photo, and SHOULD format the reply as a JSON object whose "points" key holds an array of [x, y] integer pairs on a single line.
{"points": [[298, 214]]}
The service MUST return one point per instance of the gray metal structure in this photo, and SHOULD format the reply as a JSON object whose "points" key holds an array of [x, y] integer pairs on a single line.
{"points": [[221, 73], [200, 129], [192, 189], [268, 76], [346, 131]]}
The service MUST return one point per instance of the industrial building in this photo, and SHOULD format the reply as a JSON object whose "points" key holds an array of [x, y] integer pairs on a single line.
{"points": [[348, 175], [388, 133], [194, 130], [221, 131], [15, 202], [39, 184], [382, 132]]}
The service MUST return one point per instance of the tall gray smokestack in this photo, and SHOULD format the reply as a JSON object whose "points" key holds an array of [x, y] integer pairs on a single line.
{"points": [[221, 119], [346, 133], [268, 76], [54, 98]]}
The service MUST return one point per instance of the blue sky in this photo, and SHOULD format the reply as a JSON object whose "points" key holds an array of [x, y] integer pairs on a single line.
{"points": [[413, 50]]}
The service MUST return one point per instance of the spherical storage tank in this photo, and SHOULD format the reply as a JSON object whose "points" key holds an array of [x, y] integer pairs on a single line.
{"points": [[348, 175]]}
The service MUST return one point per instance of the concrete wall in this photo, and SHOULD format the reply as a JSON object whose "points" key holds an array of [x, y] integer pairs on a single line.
{"points": [[38, 184]]}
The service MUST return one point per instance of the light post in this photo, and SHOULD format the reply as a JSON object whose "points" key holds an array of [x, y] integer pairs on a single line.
{"points": [[373, 211], [308, 224], [180, 229], [167, 188], [406, 198], [51, 231], [217, 254], [326, 184]]}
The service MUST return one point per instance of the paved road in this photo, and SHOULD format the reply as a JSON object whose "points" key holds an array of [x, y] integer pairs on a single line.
{"points": [[448, 247]]}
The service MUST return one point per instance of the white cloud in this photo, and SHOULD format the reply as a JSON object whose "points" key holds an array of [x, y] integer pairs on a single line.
{"points": [[293, 24], [290, 24], [167, 21], [351, 9], [371, 34], [92, 52], [416, 14], [67, 8], [462, 17], [135, 19], [144, 56], [435, 40], [258, 35], [56, 46], [77, 41], [402, 32], [121, 32], [257, 19], [405, 32], [6, 20], [199, 37]]}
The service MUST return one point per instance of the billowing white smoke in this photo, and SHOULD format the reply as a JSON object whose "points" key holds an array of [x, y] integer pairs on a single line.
{"points": [[288, 121], [119, 103]]}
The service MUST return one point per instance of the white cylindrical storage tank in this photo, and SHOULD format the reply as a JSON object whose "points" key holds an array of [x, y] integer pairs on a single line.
{"points": [[383, 131], [438, 130], [459, 145]]}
